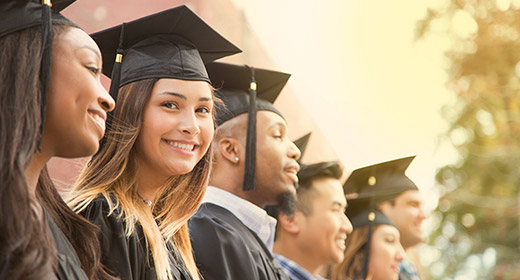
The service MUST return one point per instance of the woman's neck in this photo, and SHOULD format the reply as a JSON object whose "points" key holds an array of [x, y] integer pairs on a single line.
{"points": [[148, 183], [32, 173]]}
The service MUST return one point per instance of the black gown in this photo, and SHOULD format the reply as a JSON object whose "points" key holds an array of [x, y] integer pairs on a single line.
{"points": [[225, 248], [126, 256], [69, 265]]}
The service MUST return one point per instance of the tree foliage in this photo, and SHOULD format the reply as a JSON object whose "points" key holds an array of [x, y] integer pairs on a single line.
{"points": [[478, 213]]}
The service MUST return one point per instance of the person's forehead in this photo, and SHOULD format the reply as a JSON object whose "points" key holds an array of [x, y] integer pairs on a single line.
{"points": [[270, 119], [330, 189], [410, 195], [386, 229]]}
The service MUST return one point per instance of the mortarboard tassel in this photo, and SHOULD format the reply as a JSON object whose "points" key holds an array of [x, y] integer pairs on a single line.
{"points": [[116, 71], [371, 217], [45, 65], [250, 161], [114, 84]]}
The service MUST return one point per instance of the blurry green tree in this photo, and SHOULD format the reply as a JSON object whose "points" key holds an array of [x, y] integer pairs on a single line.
{"points": [[478, 214]]}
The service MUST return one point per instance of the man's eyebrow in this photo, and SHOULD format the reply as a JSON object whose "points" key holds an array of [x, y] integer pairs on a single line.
{"points": [[278, 124], [339, 203]]}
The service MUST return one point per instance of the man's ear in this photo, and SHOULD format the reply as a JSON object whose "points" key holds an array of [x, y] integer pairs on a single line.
{"points": [[230, 149], [292, 224]]}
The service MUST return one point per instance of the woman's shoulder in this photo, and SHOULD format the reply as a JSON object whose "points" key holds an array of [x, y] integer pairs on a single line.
{"points": [[103, 211]]}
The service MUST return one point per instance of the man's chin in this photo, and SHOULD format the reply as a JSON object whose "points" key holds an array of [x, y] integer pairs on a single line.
{"points": [[286, 201]]}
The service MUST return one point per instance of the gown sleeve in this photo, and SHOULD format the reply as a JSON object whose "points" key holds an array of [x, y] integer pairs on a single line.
{"points": [[219, 251], [123, 255]]}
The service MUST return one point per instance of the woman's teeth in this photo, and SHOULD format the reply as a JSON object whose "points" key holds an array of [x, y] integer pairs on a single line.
{"points": [[182, 146]]}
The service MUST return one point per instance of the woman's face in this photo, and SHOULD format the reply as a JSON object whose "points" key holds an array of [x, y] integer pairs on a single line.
{"points": [[386, 253], [177, 128], [77, 102]]}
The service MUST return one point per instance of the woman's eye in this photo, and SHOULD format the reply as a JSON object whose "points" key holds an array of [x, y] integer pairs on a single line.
{"points": [[204, 110], [94, 70], [390, 239], [170, 105]]}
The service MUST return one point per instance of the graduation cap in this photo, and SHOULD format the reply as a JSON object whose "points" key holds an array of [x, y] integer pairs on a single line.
{"points": [[363, 212], [301, 143], [380, 181], [21, 14], [174, 43], [326, 168], [245, 89]]}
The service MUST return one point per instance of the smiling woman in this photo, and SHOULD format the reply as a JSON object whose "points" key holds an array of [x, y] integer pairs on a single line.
{"points": [[45, 112], [152, 170]]}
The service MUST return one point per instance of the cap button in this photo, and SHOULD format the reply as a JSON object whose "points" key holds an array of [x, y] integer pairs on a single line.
{"points": [[371, 216], [371, 180]]}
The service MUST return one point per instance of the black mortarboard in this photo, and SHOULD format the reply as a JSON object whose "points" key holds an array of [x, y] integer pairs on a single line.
{"points": [[174, 43], [380, 180], [363, 212], [359, 213], [326, 168], [374, 184], [236, 87], [22, 14], [301, 143]]}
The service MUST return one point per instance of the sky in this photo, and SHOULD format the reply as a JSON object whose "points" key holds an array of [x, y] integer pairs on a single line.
{"points": [[375, 92]]}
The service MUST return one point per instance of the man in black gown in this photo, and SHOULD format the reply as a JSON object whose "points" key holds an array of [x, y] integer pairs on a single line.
{"points": [[231, 233]]}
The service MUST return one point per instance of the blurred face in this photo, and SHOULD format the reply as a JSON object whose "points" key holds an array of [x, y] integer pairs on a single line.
{"points": [[177, 127], [276, 165], [408, 215], [77, 102], [386, 253], [325, 230]]}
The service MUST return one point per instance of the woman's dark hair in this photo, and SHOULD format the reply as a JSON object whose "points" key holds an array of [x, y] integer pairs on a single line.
{"points": [[27, 249]]}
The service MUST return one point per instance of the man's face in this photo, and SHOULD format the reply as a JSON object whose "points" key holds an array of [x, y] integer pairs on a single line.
{"points": [[408, 214], [324, 231], [276, 166]]}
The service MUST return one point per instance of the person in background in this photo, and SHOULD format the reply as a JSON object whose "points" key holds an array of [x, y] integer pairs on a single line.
{"points": [[373, 250], [398, 198], [255, 165], [313, 236], [153, 168], [52, 104]]}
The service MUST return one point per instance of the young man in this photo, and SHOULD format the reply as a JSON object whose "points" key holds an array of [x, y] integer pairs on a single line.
{"points": [[231, 233], [398, 198], [313, 236]]}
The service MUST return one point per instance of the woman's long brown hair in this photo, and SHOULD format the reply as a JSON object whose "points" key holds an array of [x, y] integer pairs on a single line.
{"points": [[27, 250], [113, 172], [352, 264]]}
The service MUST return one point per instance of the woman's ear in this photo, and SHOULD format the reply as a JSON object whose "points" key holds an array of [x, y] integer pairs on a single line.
{"points": [[230, 148]]}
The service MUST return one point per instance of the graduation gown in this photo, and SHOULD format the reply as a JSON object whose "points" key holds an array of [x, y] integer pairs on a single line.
{"points": [[127, 256], [225, 248], [69, 265]]}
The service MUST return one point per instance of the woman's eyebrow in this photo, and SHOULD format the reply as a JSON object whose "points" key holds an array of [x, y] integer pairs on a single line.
{"points": [[90, 48]]}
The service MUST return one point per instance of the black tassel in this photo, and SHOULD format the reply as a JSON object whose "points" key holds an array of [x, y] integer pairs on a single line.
{"points": [[371, 217], [250, 161], [114, 86], [116, 70], [45, 65]]}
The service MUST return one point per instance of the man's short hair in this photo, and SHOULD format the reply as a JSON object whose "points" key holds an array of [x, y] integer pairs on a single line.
{"points": [[307, 175]]}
